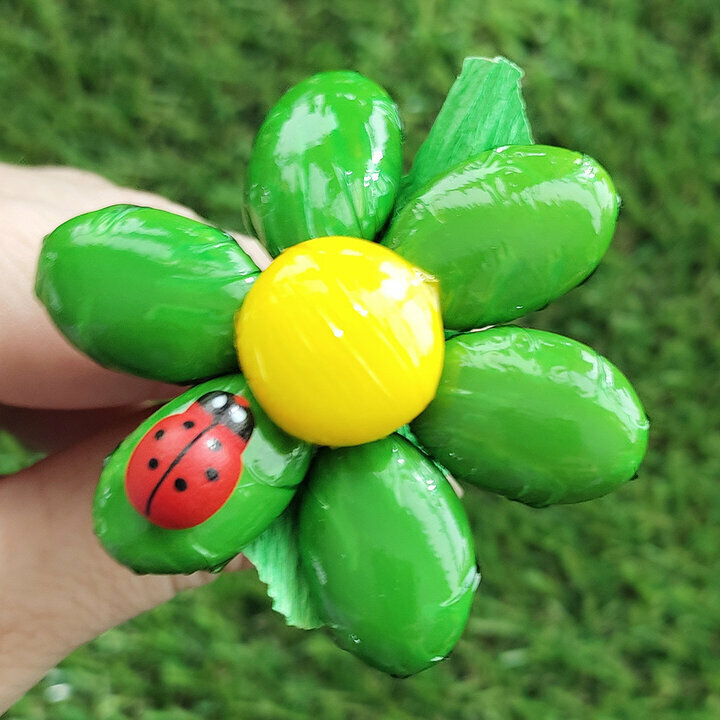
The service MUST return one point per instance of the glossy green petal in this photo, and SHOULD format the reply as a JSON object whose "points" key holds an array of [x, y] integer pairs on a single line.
{"points": [[146, 291], [273, 465], [534, 416], [509, 231], [388, 553], [326, 161]]}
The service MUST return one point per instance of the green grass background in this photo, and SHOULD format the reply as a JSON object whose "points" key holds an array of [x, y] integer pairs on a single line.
{"points": [[607, 610]]}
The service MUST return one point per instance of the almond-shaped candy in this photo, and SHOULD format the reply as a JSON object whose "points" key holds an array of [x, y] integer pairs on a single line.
{"points": [[197, 481], [509, 231], [326, 162], [534, 416], [146, 291], [388, 554]]}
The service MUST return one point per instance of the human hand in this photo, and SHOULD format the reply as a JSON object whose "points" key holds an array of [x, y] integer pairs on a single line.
{"points": [[58, 588]]}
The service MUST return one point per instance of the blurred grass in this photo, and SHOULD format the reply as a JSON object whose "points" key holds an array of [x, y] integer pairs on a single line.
{"points": [[14, 456], [608, 610]]}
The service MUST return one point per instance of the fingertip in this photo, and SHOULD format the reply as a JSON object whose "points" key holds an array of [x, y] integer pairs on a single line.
{"points": [[38, 366]]}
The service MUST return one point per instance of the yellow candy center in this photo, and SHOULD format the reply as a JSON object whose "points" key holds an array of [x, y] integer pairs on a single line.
{"points": [[341, 341]]}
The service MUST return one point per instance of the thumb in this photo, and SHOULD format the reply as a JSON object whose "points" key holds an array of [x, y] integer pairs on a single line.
{"points": [[58, 587]]}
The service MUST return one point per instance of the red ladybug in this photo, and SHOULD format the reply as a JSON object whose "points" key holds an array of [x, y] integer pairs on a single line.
{"points": [[188, 464]]}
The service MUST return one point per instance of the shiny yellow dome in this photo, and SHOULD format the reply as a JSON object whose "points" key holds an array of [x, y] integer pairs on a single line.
{"points": [[341, 341]]}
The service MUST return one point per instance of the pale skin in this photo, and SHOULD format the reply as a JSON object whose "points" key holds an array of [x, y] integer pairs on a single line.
{"points": [[58, 588]]}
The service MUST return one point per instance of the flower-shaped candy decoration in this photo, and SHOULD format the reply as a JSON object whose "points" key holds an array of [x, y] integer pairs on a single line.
{"points": [[305, 461]]}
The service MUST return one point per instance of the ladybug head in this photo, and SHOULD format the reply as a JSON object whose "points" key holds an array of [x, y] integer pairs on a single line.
{"points": [[229, 410]]}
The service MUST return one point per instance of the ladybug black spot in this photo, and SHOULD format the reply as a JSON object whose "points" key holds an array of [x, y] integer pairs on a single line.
{"points": [[180, 484], [153, 463], [214, 444], [159, 434], [188, 424], [212, 474]]}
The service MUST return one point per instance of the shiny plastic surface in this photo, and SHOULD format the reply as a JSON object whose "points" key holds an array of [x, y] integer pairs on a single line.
{"points": [[534, 416], [272, 466], [388, 552], [341, 341], [326, 161], [146, 291], [508, 232], [187, 465]]}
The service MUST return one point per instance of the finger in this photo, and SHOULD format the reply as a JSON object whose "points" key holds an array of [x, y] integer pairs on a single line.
{"points": [[50, 431], [254, 248], [38, 367], [70, 189], [58, 588]]}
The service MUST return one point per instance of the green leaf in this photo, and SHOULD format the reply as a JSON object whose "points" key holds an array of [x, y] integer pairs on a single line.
{"points": [[483, 110], [276, 556], [14, 456]]}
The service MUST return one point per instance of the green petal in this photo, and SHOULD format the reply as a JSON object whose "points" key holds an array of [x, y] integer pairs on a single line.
{"points": [[388, 553], [534, 416], [146, 291], [326, 161], [508, 232], [273, 465]]}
